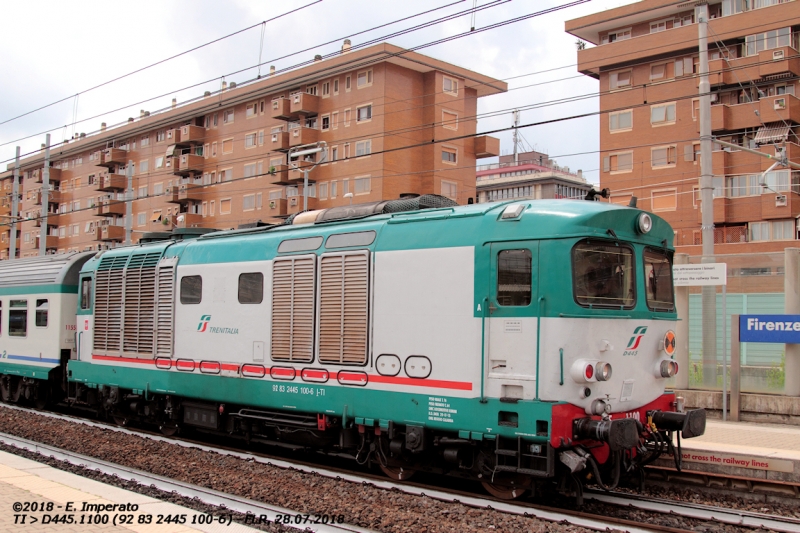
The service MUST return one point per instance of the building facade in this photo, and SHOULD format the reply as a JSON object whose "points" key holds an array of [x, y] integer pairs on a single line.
{"points": [[530, 175], [646, 59], [387, 121]]}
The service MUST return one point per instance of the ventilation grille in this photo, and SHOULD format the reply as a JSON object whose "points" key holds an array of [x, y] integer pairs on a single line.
{"points": [[165, 292], [293, 308], [139, 304], [344, 308], [108, 304]]}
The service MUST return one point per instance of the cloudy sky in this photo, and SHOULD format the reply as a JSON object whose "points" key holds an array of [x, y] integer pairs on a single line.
{"points": [[52, 51]]}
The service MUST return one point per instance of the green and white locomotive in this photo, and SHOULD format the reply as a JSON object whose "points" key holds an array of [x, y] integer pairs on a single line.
{"points": [[512, 343]]}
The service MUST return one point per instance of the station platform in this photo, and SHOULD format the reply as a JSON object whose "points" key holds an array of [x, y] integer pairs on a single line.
{"points": [[744, 450], [37, 497]]}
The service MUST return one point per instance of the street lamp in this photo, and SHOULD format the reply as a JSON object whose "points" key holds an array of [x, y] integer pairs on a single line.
{"points": [[304, 150]]}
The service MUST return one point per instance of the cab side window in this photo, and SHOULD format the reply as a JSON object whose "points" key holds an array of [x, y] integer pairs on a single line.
{"points": [[514, 278], [191, 289], [86, 293]]}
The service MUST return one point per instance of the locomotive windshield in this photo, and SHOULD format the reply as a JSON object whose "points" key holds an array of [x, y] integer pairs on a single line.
{"points": [[658, 277], [603, 275]]}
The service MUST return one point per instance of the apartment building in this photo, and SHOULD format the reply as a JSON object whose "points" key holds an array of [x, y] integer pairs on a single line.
{"points": [[530, 175], [646, 58], [388, 122]]}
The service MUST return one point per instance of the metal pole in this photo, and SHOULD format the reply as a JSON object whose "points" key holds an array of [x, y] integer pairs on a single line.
{"points": [[129, 203], [707, 205], [516, 137], [724, 355], [14, 209], [305, 190], [45, 197], [735, 346]]}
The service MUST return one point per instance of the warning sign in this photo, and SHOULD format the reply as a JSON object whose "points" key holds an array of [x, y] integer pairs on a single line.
{"points": [[741, 461]]}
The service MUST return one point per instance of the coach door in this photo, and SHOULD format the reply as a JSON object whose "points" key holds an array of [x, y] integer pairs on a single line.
{"points": [[511, 321]]}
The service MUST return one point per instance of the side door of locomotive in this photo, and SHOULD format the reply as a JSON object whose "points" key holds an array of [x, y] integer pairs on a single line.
{"points": [[511, 323]]}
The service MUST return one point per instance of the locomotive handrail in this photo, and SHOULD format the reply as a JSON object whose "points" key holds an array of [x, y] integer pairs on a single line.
{"points": [[483, 344], [538, 343]]}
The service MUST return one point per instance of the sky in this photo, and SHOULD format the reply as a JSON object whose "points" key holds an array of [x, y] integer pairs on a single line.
{"points": [[55, 51]]}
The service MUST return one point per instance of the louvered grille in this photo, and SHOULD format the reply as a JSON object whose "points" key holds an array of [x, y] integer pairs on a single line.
{"points": [[293, 308], [344, 308], [164, 303], [108, 304], [139, 304]]}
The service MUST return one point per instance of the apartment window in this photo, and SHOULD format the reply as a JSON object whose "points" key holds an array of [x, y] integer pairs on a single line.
{"points": [[620, 121], [292, 191], [449, 156], [333, 189], [658, 71], [261, 137], [336, 86], [664, 200], [276, 194], [449, 120], [361, 185], [227, 146], [158, 189], [259, 202], [620, 79], [145, 141], [141, 219], [311, 89], [777, 230], [364, 113], [334, 153], [345, 186], [326, 89], [363, 148], [251, 110], [768, 40], [227, 116], [621, 162], [449, 189], [450, 86], [144, 166], [661, 25], [695, 108], [250, 170], [249, 141], [614, 36], [225, 206], [143, 191], [684, 66], [346, 149], [662, 114], [323, 191], [248, 202], [160, 136], [211, 208], [214, 149], [364, 78], [346, 117], [225, 175], [738, 186], [663, 156], [325, 123]]}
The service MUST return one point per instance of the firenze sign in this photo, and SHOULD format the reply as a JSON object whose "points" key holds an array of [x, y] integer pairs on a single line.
{"points": [[769, 328]]}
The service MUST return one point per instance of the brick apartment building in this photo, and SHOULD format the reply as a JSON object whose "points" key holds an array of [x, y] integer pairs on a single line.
{"points": [[646, 59], [220, 161]]}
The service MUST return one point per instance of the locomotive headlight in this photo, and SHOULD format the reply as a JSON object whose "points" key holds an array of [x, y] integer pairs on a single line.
{"points": [[644, 223], [668, 368], [602, 371], [587, 371]]}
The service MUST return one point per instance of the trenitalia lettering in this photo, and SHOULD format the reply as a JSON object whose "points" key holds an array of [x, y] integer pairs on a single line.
{"points": [[229, 331], [754, 324]]}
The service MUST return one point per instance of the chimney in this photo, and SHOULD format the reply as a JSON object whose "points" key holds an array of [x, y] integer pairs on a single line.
{"points": [[224, 85], [233, 85], [174, 103], [346, 46], [147, 113], [83, 135], [130, 119], [317, 58], [580, 174], [206, 94], [43, 146], [141, 113], [272, 70], [102, 126]]}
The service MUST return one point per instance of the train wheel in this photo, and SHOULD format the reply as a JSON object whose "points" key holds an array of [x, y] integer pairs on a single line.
{"points": [[398, 473], [15, 386], [169, 431], [508, 489], [5, 388], [41, 397], [120, 420]]}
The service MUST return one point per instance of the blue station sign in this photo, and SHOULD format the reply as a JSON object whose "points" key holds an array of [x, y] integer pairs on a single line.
{"points": [[769, 328]]}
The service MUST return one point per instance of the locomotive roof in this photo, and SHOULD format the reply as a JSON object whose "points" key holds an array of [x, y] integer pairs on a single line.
{"points": [[60, 269]]}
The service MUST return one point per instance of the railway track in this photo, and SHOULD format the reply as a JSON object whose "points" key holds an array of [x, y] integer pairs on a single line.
{"points": [[691, 512]]}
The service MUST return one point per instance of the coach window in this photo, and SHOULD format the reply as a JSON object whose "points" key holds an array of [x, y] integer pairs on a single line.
{"points": [[251, 288], [603, 275], [18, 318], [191, 289], [42, 306], [658, 277], [514, 277], [86, 293]]}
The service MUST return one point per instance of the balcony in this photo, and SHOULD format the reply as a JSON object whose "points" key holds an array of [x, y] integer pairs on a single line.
{"points": [[732, 71], [189, 192], [278, 175], [279, 142], [51, 242], [735, 162], [192, 135], [301, 136], [295, 204], [792, 153], [721, 210], [486, 146], [783, 205], [110, 233], [188, 164], [110, 157], [171, 194], [304, 104], [281, 109], [111, 182], [5, 211], [54, 175], [54, 197], [784, 107], [733, 117], [187, 220], [277, 207], [778, 61], [110, 208]]}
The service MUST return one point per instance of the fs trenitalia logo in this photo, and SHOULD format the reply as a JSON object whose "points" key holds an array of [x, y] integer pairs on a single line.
{"points": [[203, 325], [633, 344]]}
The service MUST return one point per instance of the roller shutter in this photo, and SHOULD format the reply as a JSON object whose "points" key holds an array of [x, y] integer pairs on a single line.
{"points": [[293, 280], [344, 308]]}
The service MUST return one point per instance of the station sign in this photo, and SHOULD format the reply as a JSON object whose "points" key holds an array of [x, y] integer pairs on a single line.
{"points": [[769, 328], [700, 275]]}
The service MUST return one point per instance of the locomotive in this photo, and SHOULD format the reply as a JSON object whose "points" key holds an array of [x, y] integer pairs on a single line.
{"points": [[515, 343]]}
